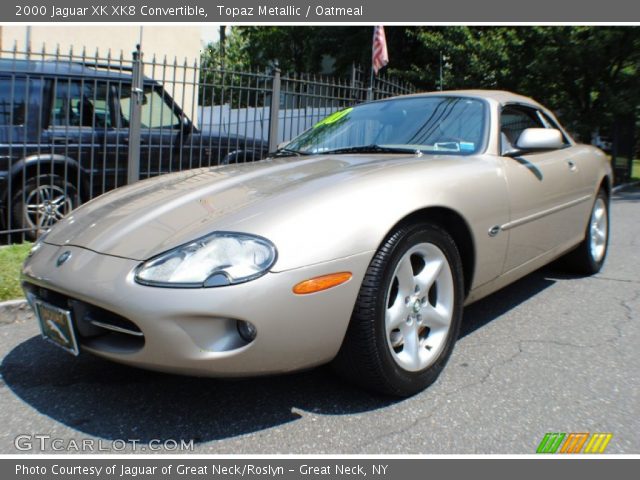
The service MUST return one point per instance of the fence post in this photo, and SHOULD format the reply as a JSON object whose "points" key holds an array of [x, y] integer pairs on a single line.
{"points": [[135, 108], [623, 148], [274, 113], [354, 79]]}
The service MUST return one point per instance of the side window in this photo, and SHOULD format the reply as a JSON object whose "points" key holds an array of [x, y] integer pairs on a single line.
{"points": [[16, 100], [155, 112], [80, 104], [515, 119], [550, 123]]}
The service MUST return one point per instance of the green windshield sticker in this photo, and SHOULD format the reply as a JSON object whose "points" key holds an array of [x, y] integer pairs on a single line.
{"points": [[334, 117]]}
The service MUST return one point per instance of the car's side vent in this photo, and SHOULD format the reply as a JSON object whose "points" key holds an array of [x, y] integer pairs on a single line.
{"points": [[119, 325]]}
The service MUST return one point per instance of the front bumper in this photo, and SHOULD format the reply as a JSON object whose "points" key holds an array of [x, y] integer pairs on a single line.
{"points": [[191, 331]]}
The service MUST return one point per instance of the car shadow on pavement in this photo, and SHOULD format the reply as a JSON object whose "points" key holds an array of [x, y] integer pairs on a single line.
{"points": [[497, 304], [111, 401]]}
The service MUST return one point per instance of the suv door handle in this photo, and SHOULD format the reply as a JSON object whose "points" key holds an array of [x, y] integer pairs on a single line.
{"points": [[60, 140], [143, 141], [572, 165]]}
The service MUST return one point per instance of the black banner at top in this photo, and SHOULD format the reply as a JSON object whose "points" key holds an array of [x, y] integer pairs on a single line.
{"points": [[328, 11]]}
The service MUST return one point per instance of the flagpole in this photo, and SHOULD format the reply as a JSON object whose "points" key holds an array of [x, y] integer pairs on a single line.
{"points": [[371, 84], [370, 92]]}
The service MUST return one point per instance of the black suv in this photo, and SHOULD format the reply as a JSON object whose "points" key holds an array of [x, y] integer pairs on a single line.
{"points": [[64, 134]]}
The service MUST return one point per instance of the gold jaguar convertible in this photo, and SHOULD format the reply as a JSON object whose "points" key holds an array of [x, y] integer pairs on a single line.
{"points": [[357, 243]]}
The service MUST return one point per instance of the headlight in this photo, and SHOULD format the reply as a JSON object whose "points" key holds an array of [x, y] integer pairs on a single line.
{"points": [[219, 259]]}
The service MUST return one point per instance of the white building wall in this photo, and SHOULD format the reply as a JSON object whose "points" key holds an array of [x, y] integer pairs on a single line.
{"points": [[174, 42]]}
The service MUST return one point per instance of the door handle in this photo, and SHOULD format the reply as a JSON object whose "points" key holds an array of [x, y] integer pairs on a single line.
{"points": [[572, 165], [143, 141]]}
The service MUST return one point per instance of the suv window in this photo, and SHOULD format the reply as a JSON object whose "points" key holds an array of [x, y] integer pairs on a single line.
{"points": [[155, 112], [81, 104], [15, 98]]}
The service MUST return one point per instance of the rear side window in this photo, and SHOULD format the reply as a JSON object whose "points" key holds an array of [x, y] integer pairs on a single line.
{"points": [[551, 123], [81, 104], [514, 120], [16, 95]]}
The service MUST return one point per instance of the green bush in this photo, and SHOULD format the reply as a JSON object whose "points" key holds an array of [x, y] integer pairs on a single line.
{"points": [[11, 259]]}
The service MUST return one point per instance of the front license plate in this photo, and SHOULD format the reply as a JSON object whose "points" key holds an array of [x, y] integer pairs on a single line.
{"points": [[56, 326]]}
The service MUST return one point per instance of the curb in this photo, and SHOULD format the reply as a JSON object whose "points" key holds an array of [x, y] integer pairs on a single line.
{"points": [[625, 186], [12, 311]]}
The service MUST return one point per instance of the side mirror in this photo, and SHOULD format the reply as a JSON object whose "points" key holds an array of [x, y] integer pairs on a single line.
{"points": [[186, 124], [540, 139]]}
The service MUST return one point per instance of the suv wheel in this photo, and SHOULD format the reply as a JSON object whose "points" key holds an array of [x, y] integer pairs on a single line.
{"points": [[42, 201]]}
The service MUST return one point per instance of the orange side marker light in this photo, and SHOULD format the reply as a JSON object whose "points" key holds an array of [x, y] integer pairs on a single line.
{"points": [[324, 282]]}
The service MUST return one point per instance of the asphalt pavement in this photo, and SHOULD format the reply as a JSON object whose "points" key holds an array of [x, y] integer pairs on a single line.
{"points": [[550, 353]]}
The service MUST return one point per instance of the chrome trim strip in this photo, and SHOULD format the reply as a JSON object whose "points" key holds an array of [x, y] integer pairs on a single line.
{"points": [[116, 329], [544, 213]]}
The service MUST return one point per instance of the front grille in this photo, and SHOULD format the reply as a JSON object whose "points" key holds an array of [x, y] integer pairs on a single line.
{"points": [[95, 327]]}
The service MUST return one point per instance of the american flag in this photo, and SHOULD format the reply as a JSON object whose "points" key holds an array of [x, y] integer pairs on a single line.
{"points": [[380, 57]]}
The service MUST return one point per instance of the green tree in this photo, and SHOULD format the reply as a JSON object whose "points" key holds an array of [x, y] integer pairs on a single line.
{"points": [[233, 56], [294, 48], [223, 73], [588, 75]]}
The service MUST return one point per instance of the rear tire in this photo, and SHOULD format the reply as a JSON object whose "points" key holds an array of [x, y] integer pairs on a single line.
{"points": [[589, 256], [407, 315]]}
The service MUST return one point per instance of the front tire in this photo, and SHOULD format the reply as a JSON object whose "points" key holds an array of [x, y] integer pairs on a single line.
{"points": [[407, 315]]}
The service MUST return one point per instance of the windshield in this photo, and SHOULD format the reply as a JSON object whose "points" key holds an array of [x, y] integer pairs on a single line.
{"points": [[427, 124]]}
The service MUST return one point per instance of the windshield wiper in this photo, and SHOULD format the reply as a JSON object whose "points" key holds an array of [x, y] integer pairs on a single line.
{"points": [[287, 152], [371, 149]]}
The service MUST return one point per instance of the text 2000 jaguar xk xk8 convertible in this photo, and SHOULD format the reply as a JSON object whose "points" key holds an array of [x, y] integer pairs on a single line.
{"points": [[358, 243]]}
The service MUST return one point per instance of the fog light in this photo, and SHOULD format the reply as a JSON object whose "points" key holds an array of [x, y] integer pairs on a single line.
{"points": [[247, 331]]}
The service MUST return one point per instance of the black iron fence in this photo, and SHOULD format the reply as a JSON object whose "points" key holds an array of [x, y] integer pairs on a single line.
{"points": [[623, 147], [76, 125]]}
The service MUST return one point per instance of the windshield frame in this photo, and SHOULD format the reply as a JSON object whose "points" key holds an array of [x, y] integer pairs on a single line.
{"points": [[486, 122]]}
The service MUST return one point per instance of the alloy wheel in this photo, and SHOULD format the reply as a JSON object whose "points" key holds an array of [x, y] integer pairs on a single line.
{"points": [[45, 205], [419, 307]]}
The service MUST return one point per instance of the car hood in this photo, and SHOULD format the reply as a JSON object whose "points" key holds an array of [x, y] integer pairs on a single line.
{"points": [[154, 215]]}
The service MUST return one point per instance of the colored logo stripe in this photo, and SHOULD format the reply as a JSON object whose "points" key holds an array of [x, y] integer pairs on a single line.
{"points": [[598, 443], [550, 443], [573, 442]]}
